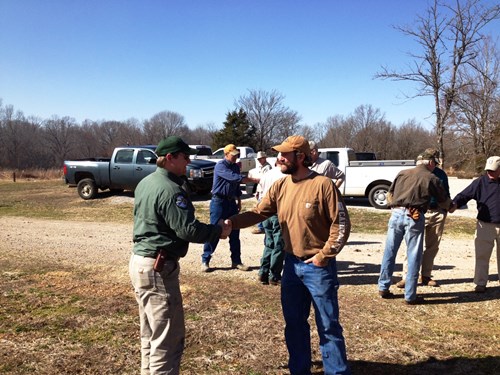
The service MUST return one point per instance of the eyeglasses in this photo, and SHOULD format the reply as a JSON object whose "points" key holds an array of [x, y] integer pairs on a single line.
{"points": [[182, 155]]}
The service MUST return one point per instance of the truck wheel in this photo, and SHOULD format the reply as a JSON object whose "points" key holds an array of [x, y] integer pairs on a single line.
{"points": [[87, 189], [378, 196]]}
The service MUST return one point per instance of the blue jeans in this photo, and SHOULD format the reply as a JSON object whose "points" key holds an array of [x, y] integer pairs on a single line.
{"points": [[301, 285], [403, 226], [271, 262], [222, 209]]}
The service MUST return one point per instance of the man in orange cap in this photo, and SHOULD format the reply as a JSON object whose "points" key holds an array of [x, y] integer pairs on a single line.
{"points": [[225, 202], [315, 226]]}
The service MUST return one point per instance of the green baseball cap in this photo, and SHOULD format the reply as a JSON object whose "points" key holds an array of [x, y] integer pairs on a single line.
{"points": [[172, 145]]}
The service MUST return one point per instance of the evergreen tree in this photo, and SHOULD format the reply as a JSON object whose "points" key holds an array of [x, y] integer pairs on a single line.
{"points": [[237, 130]]}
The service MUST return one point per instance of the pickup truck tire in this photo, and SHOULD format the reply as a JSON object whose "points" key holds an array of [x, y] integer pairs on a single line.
{"points": [[87, 189], [378, 196]]}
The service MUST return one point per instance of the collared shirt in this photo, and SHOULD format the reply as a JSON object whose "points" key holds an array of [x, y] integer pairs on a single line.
{"points": [[486, 192], [326, 168], [414, 188], [227, 179], [164, 217]]}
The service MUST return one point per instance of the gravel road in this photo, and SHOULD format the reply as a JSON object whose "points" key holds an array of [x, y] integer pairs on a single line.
{"points": [[108, 245]]}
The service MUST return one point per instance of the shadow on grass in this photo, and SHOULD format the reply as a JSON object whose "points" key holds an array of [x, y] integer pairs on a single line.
{"points": [[454, 366]]}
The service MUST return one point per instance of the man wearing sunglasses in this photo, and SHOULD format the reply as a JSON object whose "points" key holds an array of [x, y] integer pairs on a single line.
{"points": [[164, 224]]}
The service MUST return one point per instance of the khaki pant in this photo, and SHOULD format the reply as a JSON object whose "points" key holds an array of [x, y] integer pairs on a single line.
{"points": [[161, 315], [486, 236], [434, 227]]}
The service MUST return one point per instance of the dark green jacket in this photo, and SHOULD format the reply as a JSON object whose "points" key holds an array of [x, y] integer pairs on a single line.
{"points": [[164, 217]]}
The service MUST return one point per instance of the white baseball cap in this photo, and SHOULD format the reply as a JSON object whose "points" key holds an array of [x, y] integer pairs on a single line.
{"points": [[492, 164]]}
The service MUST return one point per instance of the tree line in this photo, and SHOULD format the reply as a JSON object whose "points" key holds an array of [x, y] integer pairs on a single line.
{"points": [[31, 142]]}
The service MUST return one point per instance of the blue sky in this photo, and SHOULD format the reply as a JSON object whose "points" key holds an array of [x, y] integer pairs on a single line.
{"points": [[121, 59]]}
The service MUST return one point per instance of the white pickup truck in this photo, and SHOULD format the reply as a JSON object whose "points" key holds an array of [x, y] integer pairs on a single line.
{"points": [[246, 160], [363, 178]]}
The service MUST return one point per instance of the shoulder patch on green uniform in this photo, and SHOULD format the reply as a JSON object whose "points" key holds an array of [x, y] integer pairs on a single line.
{"points": [[181, 201]]}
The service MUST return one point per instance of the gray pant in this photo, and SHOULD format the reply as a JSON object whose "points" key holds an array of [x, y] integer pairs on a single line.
{"points": [[161, 315]]}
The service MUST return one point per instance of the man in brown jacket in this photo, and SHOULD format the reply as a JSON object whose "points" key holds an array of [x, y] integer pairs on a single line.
{"points": [[315, 226], [409, 197]]}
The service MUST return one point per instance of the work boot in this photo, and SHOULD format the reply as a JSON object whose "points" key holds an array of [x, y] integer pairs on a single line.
{"points": [[240, 266], [385, 294], [417, 301], [264, 279], [205, 267], [480, 288], [401, 284], [424, 280], [275, 281]]}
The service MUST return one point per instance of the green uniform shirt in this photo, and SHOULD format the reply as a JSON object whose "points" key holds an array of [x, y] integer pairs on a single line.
{"points": [[164, 217]]}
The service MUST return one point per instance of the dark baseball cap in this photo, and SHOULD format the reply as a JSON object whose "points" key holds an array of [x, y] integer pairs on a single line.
{"points": [[173, 144]]}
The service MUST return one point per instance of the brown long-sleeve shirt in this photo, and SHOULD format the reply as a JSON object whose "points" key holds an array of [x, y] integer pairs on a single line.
{"points": [[311, 213]]}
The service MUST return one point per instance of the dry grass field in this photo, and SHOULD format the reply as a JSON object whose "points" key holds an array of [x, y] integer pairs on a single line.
{"points": [[66, 305]]}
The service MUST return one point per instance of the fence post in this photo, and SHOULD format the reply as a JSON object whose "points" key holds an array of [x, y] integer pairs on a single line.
{"points": [[14, 176]]}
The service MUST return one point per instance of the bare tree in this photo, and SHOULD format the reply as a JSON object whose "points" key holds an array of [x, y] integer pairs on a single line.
{"points": [[164, 124], [60, 135], [15, 137], [337, 133], [447, 35], [202, 134], [474, 113], [269, 116], [409, 140]]}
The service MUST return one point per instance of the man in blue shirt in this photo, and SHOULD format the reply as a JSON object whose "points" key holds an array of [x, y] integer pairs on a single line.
{"points": [[226, 202], [486, 192]]}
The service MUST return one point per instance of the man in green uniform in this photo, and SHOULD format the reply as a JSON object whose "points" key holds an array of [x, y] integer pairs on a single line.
{"points": [[164, 224]]}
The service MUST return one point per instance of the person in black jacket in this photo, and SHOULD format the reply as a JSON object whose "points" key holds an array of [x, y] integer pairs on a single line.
{"points": [[486, 192]]}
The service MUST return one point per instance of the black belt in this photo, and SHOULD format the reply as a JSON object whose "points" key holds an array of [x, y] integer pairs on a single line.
{"points": [[224, 197], [305, 257], [173, 258], [167, 257]]}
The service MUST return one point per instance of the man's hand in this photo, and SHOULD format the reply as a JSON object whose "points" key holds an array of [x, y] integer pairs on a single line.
{"points": [[226, 226], [452, 208], [314, 260]]}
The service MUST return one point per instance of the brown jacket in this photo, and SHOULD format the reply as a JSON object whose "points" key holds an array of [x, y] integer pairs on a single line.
{"points": [[311, 213], [413, 188]]}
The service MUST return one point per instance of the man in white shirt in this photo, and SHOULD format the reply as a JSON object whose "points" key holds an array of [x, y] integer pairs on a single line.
{"points": [[262, 167]]}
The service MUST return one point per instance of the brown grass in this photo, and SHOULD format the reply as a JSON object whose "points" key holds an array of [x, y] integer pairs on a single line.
{"points": [[31, 174], [65, 320], [58, 320]]}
